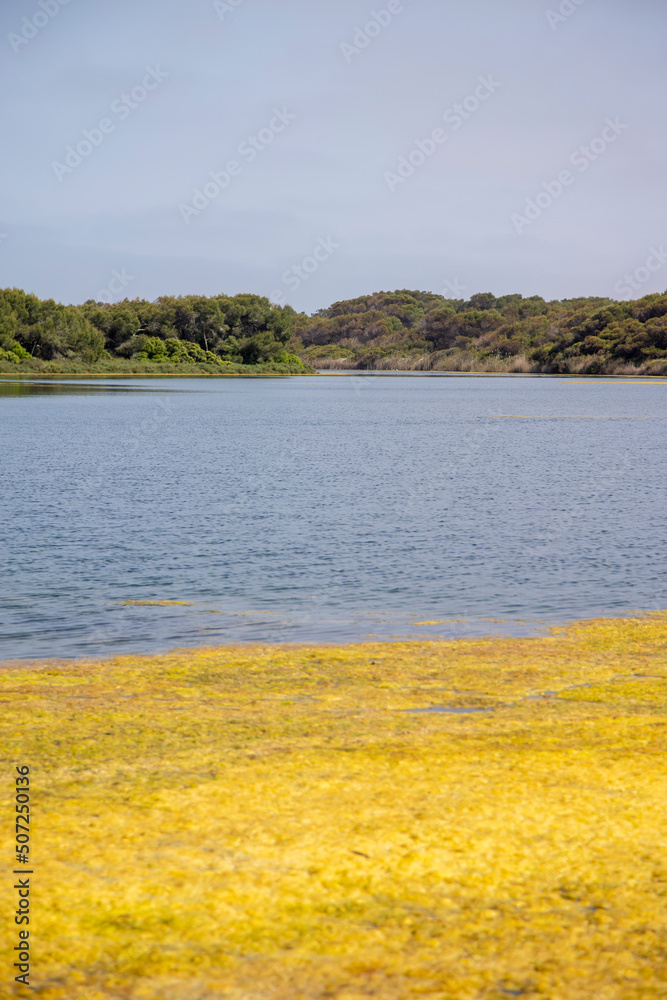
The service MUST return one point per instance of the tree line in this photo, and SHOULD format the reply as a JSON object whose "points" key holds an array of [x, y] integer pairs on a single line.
{"points": [[401, 329], [506, 333], [218, 331]]}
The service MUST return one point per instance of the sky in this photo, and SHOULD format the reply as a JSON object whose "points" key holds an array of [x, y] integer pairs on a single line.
{"points": [[312, 151]]}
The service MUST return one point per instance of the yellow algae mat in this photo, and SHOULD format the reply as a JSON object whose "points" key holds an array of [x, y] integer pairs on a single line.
{"points": [[281, 823]]}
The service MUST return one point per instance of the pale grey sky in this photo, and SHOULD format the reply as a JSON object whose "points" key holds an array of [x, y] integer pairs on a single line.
{"points": [[315, 118]]}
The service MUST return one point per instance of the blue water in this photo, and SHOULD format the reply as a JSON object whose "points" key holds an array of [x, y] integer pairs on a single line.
{"points": [[324, 509]]}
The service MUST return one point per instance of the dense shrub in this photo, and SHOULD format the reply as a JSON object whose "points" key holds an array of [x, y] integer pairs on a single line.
{"points": [[511, 333]]}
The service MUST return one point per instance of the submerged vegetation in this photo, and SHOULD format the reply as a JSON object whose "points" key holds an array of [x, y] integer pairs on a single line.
{"points": [[403, 330], [295, 822]]}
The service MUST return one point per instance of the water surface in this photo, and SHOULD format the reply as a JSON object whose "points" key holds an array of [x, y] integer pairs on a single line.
{"points": [[325, 508]]}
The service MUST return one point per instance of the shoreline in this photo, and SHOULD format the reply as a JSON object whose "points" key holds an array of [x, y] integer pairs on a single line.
{"points": [[335, 373], [478, 630]]}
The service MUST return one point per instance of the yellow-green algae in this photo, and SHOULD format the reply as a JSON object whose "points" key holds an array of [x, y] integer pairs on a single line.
{"points": [[273, 822]]}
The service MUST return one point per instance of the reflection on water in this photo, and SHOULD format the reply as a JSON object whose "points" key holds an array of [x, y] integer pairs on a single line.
{"points": [[323, 509], [16, 387]]}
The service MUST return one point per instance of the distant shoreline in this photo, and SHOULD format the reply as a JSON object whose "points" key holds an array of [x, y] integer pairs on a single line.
{"points": [[331, 372], [402, 331]]}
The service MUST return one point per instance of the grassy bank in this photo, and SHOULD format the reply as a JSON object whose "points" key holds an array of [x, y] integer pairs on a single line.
{"points": [[117, 366], [279, 822]]}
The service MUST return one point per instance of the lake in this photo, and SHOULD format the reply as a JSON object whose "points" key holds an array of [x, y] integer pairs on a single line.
{"points": [[324, 509]]}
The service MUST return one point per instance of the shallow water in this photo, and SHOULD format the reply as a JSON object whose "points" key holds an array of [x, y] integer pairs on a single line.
{"points": [[324, 509]]}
